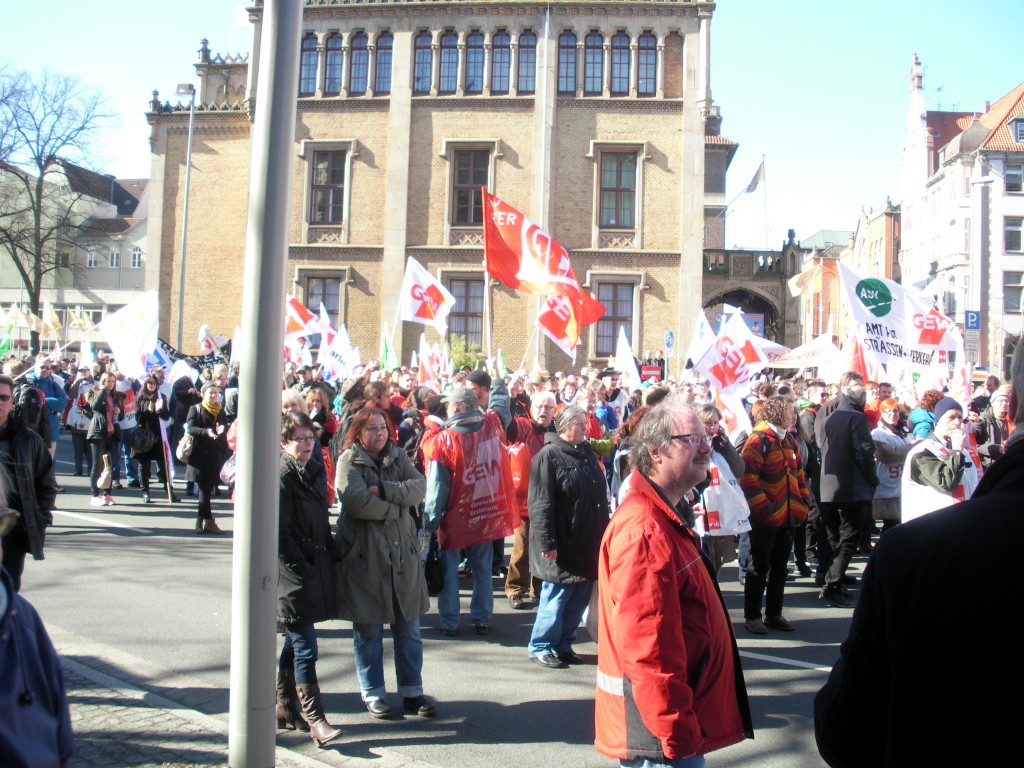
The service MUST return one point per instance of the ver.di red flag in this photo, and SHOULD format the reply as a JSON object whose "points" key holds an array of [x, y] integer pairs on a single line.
{"points": [[733, 358], [522, 255]]}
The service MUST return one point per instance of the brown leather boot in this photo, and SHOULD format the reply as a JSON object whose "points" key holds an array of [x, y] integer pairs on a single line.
{"points": [[209, 526], [320, 730], [287, 710]]}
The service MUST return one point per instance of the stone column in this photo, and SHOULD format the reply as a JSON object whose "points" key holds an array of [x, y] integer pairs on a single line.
{"points": [[660, 79], [321, 63], [371, 66], [634, 68], [606, 67], [513, 65], [460, 69], [486, 89], [581, 55]]}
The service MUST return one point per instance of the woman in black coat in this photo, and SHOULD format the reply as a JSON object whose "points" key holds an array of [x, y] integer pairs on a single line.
{"points": [[306, 580], [568, 506], [150, 407], [102, 436], [207, 423]]}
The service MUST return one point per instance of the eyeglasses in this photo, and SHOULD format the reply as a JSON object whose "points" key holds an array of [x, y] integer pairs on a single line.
{"points": [[692, 440], [303, 439]]}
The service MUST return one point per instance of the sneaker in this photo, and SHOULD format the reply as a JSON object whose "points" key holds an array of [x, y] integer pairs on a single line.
{"points": [[97, 501], [145, 497], [499, 572], [779, 622], [449, 631], [108, 499], [755, 626], [836, 598], [481, 628], [116, 484], [58, 488]]}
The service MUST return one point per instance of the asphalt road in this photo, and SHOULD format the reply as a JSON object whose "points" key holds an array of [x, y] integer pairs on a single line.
{"points": [[133, 589]]}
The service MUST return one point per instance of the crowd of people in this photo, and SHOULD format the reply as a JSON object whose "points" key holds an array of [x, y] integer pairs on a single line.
{"points": [[623, 506]]}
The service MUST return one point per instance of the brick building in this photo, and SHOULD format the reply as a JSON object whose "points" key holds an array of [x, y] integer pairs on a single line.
{"points": [[588, 117]]}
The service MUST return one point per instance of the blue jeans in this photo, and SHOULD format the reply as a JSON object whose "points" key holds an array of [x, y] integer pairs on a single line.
{"points": [[300, 640], [559, 614], [131, 466], [368, 640], [743, 554], [481, 604], [697, 761]]}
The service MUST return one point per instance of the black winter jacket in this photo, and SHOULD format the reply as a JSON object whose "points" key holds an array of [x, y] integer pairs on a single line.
{"points": [[305, 556], [568, 506], [847, 455]]}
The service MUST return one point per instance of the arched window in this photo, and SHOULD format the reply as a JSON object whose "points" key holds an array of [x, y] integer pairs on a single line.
{"points": [[620, 64], [385, 46], [136, 257], [593, 63], [647, 65], [528, 63], [360, 64], [567, 63], [449, 62], [307, 66], [332, 73], [501, 61], [422, 64], [475, 63]]}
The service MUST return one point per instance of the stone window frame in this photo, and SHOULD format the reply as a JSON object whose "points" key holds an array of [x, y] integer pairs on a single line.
{"points": [[307, 148], [92, 257], [114, 258], [455, 235], [136, 257], [447, 274], [624, 238], [638, 279], [343, 274]]}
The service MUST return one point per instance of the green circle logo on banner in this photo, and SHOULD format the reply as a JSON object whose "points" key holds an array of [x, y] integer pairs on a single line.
{"points": [[875, 296]]}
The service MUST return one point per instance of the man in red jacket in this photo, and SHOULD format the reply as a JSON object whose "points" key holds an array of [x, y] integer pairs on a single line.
{"points": [[669, 682]]}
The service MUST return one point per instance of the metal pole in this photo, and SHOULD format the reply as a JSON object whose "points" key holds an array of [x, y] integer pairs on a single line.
{"points": [[251, 729], [184, 214]]}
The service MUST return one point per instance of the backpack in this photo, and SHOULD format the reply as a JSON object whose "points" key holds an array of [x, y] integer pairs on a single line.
{"points": [[29, 405]]}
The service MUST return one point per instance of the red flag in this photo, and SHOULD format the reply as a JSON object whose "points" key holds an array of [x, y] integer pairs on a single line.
{"points": [[522, 255]]}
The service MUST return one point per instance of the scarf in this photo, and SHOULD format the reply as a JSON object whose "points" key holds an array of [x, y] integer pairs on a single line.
{"points": [[212, 408]]}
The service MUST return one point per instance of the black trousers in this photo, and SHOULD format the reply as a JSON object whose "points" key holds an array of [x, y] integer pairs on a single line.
{"points": [[766, 567], [844, 521]]}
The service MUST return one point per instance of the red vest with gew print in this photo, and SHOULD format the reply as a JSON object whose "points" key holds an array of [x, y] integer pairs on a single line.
{"points": [[480, 504]]}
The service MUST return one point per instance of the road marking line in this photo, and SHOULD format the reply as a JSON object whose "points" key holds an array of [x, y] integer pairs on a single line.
{"points": [[790, 662], [101, 521]]}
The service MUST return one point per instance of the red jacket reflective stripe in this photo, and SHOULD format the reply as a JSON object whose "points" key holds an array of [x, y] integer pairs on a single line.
{"points": [[668, 687]]}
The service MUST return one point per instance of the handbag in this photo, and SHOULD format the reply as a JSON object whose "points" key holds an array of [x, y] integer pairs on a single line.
{"points": [[227, 472], [142, 440], [104, 481], [185, 446], [432, 568]]}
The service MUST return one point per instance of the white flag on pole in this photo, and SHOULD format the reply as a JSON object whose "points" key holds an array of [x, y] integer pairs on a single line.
{"points": [[423, 298], [625, 364], [131, 333]]}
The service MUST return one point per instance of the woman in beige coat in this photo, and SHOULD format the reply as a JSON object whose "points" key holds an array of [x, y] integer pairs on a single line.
{"points": [[380, 576]]}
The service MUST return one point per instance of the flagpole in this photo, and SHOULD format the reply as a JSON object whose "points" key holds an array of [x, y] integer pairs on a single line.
{"points": [[764, 181], [529, 343], [486, 330]]}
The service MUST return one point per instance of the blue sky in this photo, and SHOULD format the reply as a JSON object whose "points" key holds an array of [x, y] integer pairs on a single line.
{"points": [[818, 87]]}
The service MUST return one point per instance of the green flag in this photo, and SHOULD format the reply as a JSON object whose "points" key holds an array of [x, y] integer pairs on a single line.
{"points": [[5, 345], [388, 361], [502, 368]]}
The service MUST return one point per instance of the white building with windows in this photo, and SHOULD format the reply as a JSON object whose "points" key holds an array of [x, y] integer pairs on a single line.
{"points": [[589, 118], [962, 214], [98, 264]]}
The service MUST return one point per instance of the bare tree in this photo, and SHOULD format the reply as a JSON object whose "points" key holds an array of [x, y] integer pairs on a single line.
{"points": [[42, 120]]}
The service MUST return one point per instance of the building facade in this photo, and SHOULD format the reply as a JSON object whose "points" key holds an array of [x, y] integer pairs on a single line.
{"points": [[587, 117], [962, 214], [98, 259]]}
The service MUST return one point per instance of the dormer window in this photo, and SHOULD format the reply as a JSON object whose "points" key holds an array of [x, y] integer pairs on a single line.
{"points": [[1018, 131]]}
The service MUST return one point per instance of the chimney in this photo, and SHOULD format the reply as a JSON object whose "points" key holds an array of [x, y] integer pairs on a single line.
{"points": [[988, 106]]}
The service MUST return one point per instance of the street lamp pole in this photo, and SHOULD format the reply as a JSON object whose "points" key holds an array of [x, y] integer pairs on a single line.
{"points": [[182, 90]]}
